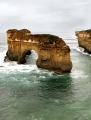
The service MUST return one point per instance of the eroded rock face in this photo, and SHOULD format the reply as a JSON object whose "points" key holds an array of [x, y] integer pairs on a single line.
{"points": [[84, 39], [53, 53]]}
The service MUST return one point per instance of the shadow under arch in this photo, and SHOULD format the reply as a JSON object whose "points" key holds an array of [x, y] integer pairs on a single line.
{"points": [[29, 56]]}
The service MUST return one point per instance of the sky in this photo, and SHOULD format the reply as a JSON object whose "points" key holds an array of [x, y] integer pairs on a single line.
{"points": [[45, 15]]}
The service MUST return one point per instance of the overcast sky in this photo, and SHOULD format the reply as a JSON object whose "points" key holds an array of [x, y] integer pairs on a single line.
{"points": [[45, 15]]}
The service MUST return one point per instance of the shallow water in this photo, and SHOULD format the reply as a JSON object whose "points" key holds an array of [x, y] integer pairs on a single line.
{"points": [[30, 93]]}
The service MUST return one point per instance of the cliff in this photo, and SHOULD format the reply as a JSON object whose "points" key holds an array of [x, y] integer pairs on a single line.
{"points": [[84, 39], [53, 53]]}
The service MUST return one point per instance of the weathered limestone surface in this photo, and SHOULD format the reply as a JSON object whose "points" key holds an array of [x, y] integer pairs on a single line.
{"points": [[84, 39], [53, 53]]}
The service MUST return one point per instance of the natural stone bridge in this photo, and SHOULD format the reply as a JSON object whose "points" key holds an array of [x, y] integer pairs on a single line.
{"points": [[53, 53]]}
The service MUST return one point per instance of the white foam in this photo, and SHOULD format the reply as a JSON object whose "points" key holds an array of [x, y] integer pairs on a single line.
{"points": [[11, 66], [81, 50], [42, 76], [33, 118], [78, 74], [57, 101], [2, 55]]}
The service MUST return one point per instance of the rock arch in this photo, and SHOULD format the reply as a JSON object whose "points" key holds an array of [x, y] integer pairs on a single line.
{"points": [[53, 53]]}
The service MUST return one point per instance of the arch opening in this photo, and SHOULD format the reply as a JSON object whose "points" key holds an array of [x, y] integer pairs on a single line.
{"points": [[31, 57]]}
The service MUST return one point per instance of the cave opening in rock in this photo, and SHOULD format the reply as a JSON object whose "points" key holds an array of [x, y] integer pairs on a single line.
{"points": [[31, 57]]}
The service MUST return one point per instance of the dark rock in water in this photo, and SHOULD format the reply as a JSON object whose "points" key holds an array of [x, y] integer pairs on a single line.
{"points": [[6, 59], [1, 66], [53, 53], [84, 40]]}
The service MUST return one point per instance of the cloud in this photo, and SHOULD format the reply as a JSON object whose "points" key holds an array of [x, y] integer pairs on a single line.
{"points": [[7, 9], [45, 16]]}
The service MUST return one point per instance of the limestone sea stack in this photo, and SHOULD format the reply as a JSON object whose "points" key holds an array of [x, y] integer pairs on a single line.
{"points": [[53, 53], [84, 39]]}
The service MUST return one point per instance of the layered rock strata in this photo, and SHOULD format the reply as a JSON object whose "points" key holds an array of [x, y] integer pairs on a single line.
{"points": [[53, 53], [84, 39]]}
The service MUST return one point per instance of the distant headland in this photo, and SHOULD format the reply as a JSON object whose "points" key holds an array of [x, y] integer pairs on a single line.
{"points": [[84, 39]]}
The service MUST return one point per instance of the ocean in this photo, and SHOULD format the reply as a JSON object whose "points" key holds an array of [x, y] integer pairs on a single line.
{"points": [[31, 93]]}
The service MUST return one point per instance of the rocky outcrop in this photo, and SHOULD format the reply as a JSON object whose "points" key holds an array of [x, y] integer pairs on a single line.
{"points": [[84, 39], [53, 53]]}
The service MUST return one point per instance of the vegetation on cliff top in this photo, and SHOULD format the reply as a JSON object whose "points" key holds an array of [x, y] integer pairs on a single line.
{"points": [[42, 38]]}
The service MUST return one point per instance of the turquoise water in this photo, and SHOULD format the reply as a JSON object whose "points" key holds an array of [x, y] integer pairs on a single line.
{"points": [[30, 93]]}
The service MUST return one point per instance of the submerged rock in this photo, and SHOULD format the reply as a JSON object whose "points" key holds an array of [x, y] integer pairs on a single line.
{"points": [[84, 39], [53, 53]]}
